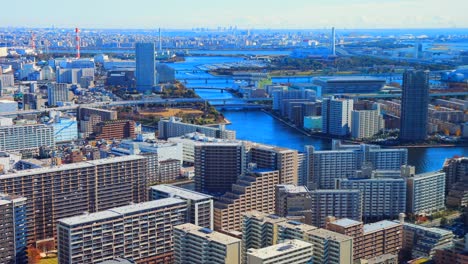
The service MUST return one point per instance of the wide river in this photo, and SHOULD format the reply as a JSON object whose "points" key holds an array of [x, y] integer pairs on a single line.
{"points": [[260, 127]]}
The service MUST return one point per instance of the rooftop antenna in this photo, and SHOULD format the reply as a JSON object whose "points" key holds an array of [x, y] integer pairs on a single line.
{"points": [[77, 40]]}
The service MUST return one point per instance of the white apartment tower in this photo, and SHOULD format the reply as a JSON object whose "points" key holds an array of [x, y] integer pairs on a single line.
{"points": [[336, 116]]}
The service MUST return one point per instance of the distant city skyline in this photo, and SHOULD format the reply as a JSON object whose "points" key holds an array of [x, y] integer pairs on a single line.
{"points": [[274, 14]]}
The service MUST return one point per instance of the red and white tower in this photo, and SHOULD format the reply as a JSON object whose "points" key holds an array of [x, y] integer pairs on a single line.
{"points": [[77, 40], [33, 41]]}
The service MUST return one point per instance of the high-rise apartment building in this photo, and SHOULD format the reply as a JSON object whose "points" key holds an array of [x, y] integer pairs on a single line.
{"points": [[336, 116], [370, 240], [13, 227], [145, 67], [382, 197], [425, 192], [199, 205], [71, 189], [275, 158], [366, 123], [57, 92], [338, 203], [414, 106], [19, 138], [173, 127], [199, 245], [324, 167], [218, 165], [142, 232], [314, 206], [293, 202], [253, 191], [290, 252], [261, 230]]}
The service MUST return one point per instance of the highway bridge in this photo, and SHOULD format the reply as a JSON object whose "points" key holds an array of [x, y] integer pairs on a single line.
{"points": [[170, 101]]}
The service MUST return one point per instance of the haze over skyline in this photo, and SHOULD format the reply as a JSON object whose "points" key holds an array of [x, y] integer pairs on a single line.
{"points": [[185, 14]]}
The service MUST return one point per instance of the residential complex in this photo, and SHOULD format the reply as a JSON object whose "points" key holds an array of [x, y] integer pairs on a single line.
{"points": [[13, 219], [260, 230], [218, 166], [370, 240], [421, 242], [339, 203], [114, 129], [366, 123], [324, 167], [142, 232], [71, 189], [382, 197], [57, 93], [199, 205], [199, 245], [253, 191], [173, 127], [275, 158], [336, 116], [425, 192], [26, 138]]}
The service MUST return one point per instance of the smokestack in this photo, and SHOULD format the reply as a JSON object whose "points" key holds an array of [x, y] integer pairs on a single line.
{"points": [[333, 42], [160, 41]]}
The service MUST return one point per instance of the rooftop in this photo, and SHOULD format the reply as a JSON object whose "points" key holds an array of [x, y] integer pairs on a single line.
{"points": [[79, 165], [373, 227], [346, 222], [439, 231], [175, 191], [290, 188], [207, 233], [280, 249], [264, 217], [119, 211], [330, 235]]}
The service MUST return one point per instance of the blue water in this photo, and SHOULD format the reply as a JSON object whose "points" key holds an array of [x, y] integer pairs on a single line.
{"points": [[260, 127]]}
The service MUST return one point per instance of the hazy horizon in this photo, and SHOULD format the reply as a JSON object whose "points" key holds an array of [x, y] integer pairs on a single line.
{"points": [[259, 14]]}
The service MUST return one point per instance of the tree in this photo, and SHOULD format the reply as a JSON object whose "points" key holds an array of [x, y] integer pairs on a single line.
{"points": [[443, 221], [34, 255], [446, 132]]}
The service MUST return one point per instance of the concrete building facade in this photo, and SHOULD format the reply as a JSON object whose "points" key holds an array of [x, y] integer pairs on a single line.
{"points": [[71, 189], [142, 232], [198, 245], [253, 191], [199, 205], [13, 223]]}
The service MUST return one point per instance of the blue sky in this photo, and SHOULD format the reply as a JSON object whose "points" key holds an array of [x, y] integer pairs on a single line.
{"points": [[298, 14]]}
